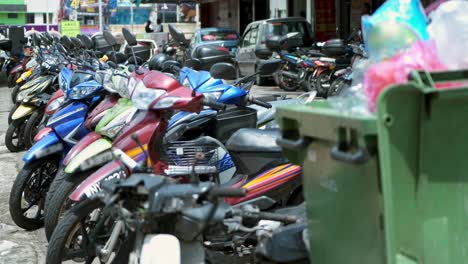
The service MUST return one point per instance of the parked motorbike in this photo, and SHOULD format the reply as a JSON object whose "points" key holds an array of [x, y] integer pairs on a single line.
{"points": [[169, 229]]}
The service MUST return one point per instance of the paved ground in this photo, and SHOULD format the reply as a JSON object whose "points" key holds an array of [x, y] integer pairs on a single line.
{"points": [[17, 245]]}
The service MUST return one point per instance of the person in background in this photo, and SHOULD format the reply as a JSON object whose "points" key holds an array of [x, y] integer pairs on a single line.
{"points": [[159, 27], [149, 27]]}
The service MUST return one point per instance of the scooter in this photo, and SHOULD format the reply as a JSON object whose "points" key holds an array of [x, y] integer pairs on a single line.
{"points": [[261, 177], [64, 129]]}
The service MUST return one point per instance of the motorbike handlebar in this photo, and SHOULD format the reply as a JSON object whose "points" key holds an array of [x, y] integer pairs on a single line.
{"points": [[214, 105], [227, 192]]}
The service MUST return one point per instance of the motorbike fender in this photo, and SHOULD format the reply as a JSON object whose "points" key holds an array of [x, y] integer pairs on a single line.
{"points": [[92, 185], [23, 111], [161, 248], [80, 146], [49, 144], [93, 155]]}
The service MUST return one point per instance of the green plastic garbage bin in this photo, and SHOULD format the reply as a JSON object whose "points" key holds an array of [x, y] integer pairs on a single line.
{"points": [[389, 189]]}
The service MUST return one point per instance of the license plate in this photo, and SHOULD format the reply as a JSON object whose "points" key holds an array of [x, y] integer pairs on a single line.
{"points": [[96, 160]]}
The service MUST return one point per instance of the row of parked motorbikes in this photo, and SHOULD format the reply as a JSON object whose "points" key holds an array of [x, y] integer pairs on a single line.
{"points": [[151, 162], [326, 68]]}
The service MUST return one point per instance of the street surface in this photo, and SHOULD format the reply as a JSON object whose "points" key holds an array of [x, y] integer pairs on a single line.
{"points": [[29, 247]]}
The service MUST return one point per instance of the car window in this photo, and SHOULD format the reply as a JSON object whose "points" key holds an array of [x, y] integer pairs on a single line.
{"points": [[207, 36], [253, 35], [246, 39], [282, 28]]}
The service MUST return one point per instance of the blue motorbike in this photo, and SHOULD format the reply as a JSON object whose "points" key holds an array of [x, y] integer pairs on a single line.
{"points": [[42, 161]]}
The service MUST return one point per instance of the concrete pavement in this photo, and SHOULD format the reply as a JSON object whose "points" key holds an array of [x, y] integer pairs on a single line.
{"points": [[16, 244]]}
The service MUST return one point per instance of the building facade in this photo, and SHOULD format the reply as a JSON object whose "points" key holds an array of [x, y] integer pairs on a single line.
{"points": [[12, 12]]}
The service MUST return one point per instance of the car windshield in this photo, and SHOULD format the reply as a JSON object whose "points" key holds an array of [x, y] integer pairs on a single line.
{"points": [[219, 35], [282, 28]]}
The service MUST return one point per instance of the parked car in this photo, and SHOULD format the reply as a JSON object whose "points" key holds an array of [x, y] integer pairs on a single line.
{"points": [[207, 46], [223, 37], [252, 43]]}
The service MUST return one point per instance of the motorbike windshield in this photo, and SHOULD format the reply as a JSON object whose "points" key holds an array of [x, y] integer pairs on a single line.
{"points": [[80, 77]]}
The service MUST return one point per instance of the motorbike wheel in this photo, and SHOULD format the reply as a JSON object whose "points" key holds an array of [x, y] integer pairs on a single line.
{"points": [[63, 185], [14, 136], [12, 80], [29, 191], [32, 127], [14, 93], [285, 83], [71, 240], [322, 83], [337, 86], [12, 111]]}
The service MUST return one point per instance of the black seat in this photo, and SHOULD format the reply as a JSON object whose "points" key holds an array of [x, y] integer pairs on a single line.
{"points": [[254, 140]]}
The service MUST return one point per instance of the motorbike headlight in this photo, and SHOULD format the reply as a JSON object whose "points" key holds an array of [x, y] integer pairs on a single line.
{"points": [[54, 105], [21, 95], [142, 97], [214, 96], [165, 102], [80, 92], [112, 131]]}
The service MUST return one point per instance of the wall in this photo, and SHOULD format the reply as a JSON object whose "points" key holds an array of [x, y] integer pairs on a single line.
{"points": [[43, 6], [12, 21], [278, 8]]}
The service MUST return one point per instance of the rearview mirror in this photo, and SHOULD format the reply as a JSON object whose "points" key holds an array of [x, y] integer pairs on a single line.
{"points": [[66, 42], [131, 40], [60, 48], [87, 41], [268, 67], [223, 70], [76, 43], [193, 63], [131, 68], [110, 39], [262, 53], [178, 36]]}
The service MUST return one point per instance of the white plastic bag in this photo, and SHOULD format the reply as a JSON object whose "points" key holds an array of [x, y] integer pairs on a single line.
{"points": [[449, 30]]}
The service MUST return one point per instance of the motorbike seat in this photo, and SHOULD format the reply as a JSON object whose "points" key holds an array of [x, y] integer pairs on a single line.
{"points": [[254, 140]]}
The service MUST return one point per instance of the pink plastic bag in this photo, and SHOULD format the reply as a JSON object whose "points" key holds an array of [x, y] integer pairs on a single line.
{"points": [[421, 56]]}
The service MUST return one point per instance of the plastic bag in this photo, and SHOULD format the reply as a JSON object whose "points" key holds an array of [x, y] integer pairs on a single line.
{"points": [[395, 26], [449, 30], [353, 100], [421, 56]]}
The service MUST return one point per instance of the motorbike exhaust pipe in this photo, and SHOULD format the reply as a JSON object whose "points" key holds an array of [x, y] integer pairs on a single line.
{"points": [[290, 75]]}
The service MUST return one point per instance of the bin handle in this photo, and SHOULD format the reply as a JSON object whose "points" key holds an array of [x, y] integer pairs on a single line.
{"points": [[359, 157], [428, 79], [292, 144]]}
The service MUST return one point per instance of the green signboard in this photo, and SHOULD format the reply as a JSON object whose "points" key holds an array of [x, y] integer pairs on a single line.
{"points": [[70, 28]]}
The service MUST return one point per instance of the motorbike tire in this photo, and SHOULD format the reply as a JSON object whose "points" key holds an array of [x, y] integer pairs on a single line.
{"points": [[31, 127], [14, 93], [59, 202], [12, 111], [18, 192], [15, 131], [65, 229], [12, 80], [337, 86], [284, 86], [323, 78]]}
